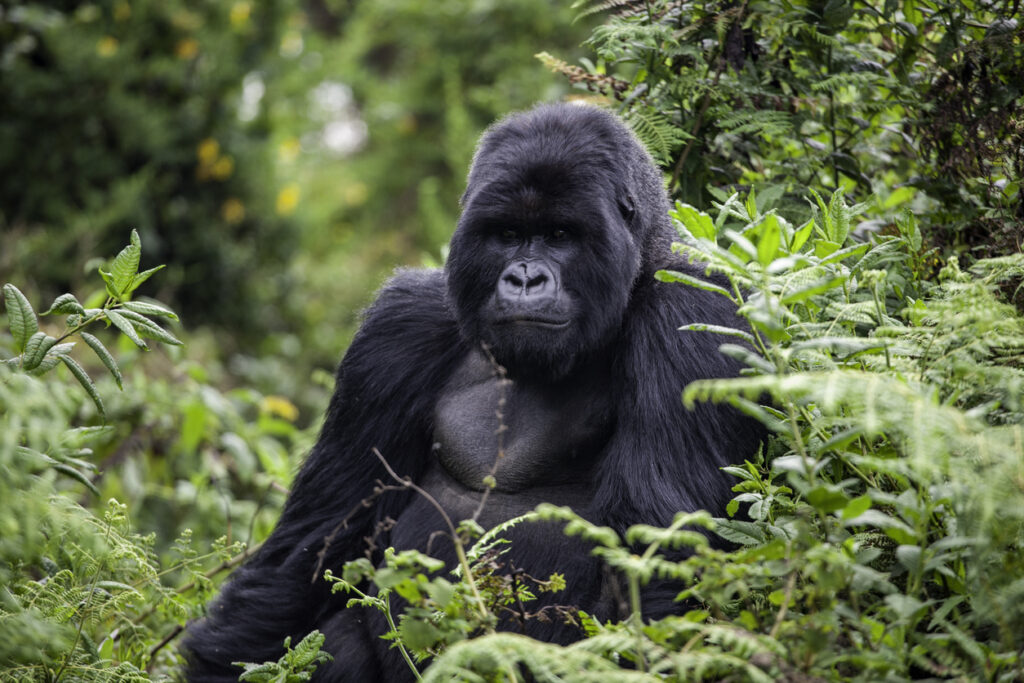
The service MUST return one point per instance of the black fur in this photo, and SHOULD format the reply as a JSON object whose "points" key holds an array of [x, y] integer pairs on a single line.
{"points": [[552, 265]]}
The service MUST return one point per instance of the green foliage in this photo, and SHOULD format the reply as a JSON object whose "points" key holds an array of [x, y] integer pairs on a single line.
{"points": [[126, 112], [877, 99], [294, 666], [95, 589], [40, 352]]}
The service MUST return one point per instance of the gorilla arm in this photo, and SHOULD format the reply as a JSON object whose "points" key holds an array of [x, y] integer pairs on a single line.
{"points": [[386, 389], [664, 458]]}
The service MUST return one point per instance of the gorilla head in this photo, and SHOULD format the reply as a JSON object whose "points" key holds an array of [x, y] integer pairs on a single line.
{"points": [[564, 211]]}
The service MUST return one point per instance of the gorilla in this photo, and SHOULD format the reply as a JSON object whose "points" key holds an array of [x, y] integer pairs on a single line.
{"points": [[551, 275]]}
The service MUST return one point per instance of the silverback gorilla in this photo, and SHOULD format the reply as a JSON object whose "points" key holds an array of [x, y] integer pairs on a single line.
{"points": [[564, 223]]}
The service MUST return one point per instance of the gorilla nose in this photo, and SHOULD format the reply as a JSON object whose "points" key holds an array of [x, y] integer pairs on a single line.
{"points": [[527, 280]]}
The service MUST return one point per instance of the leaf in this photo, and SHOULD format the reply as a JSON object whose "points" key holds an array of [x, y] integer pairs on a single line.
{"points": [[78, 476], [812, 289], [769, 238], [719, 329], [145, 308], [22, 318], [801, 236], [676, 276], [35, 350], [51, 359], [65, 304], [101, 351], [126, 265], [743, 533], [86, 382], [142, 277], [149, 329], [857, 507], [121, 323], [697, 222]]}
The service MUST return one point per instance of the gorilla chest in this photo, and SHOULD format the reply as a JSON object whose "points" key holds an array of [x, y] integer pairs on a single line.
{"points": [[527, 434]]}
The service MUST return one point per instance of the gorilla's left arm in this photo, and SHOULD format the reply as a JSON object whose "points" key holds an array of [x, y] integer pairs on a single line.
{"points": [[386, 387], [664, 458]]}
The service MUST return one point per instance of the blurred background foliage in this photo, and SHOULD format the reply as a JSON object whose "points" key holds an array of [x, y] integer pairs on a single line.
{"points": [[281, 157]]}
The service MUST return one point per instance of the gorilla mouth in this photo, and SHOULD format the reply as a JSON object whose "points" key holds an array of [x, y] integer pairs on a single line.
{"points": [[534, 322]]}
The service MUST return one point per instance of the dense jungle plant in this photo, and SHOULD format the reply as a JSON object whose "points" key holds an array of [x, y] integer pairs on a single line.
{"points": [[94, 590], [919, 102]]}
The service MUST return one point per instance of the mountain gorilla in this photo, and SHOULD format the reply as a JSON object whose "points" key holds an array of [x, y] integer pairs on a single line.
{"points": [[551, 271]]}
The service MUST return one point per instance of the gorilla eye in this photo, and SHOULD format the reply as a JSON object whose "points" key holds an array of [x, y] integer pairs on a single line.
{"points": [[559, 234], [509, 234]]}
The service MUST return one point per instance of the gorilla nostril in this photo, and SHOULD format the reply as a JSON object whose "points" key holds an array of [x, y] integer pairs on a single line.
{"points": [[514, 280], [537, 281]]}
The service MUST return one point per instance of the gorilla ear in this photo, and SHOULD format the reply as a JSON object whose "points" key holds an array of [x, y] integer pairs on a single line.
{"points": [[627, 207]]}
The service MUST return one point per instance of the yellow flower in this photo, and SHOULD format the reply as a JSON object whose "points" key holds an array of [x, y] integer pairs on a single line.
{"points": [[288, 199], [187, 48], [279, 406], [232, 210], [107, 46]]}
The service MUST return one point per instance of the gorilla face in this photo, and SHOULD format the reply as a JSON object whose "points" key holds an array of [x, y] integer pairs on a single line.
{"points": [[544, 257]]}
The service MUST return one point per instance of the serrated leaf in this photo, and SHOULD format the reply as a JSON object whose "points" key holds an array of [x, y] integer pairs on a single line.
{"points": [[86, 382], [122, 323], [101, 352], [65, 304], [145, 308], [126, 265], [149, 329], [35, 350], [51, 359], [697, 222], [21, 317], [142, 277]]}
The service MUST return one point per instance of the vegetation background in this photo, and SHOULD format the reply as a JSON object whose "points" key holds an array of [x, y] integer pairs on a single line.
{"points": [[854, 168]]}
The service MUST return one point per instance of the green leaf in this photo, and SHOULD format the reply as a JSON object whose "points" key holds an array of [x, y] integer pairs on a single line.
{"points": [[769, 238], [108, 281], [65, 304], [86, 382], [823, 248], [101, 351], [20, 315], [812, 289], [142, 277], [51, 359], [122, 323], [719, 329], [801, 236], [418, 634], [697, 222], [35, 350], [857, 507], [149, 329], [145, 308], [676, 276], [78, 476], [126, 265]]}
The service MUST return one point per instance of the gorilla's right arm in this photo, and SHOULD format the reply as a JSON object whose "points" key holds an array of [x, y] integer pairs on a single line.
{"points": [[386, 389]]}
